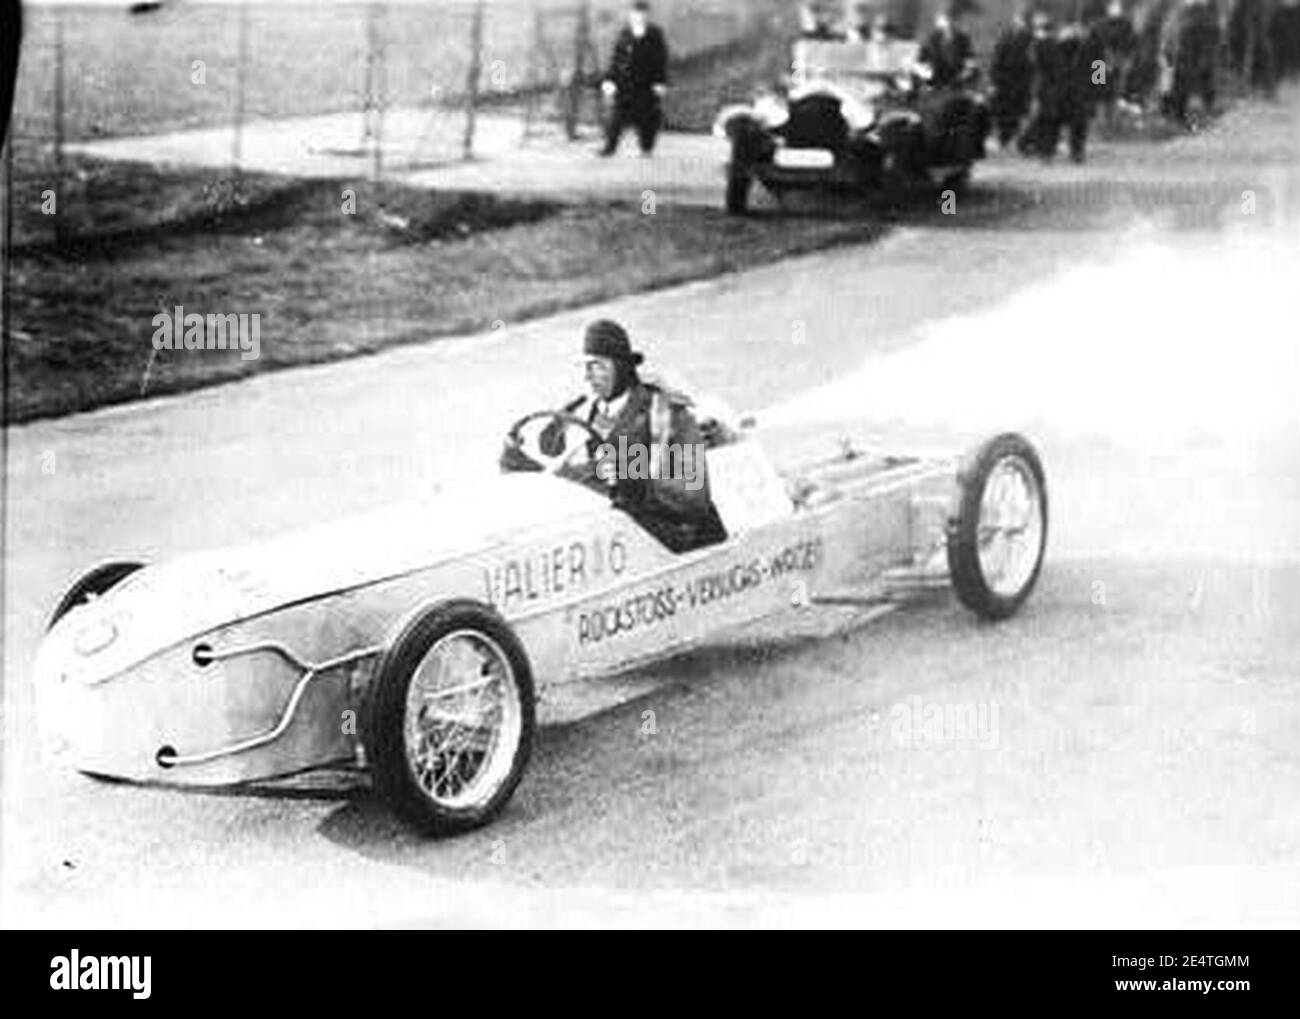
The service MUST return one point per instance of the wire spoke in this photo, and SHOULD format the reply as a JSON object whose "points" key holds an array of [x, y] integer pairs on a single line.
{"points": [[463, 719]]}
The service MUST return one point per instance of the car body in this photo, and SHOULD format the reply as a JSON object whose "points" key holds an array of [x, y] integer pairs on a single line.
{"points": [[858, 118], [335, 644]]}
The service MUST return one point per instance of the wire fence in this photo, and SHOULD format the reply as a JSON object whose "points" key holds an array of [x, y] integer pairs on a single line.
{"points": [[90, 72], [380, 87]]}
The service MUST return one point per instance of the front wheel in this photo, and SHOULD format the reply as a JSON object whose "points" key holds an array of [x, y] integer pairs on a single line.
{"points": [[739, 183], [452, 719], [997, 540]]}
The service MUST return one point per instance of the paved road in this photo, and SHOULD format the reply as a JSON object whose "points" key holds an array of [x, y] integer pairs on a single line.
{"points": [[425, 148], [1137, 765]]}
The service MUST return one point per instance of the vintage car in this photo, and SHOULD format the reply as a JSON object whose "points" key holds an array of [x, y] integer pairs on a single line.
{"points": [[418, 641], [857, 118]]}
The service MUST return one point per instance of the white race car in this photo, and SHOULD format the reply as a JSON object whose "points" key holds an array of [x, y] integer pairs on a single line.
{"points": [[419, 639]]}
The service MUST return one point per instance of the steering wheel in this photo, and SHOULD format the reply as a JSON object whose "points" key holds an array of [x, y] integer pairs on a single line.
{"points": [[515, 439]]}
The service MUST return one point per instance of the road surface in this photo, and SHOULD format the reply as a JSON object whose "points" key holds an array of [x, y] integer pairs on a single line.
{"points": [[1136, 764]]}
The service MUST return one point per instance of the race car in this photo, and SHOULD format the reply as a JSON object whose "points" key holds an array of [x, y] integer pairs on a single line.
{"points": [[419, 641], [858, 118]]}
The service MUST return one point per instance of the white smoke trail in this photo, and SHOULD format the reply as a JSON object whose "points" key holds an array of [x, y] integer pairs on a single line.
{"points": [[1165, 344]]}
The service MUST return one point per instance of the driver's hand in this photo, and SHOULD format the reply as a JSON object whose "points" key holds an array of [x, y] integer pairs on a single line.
{"points": [[606, 470], [551, 442]]}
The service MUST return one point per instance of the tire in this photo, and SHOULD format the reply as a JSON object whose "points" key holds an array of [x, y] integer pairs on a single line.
{"points": [[441, 809], [738, 185], [98, 581], [989, 595]]}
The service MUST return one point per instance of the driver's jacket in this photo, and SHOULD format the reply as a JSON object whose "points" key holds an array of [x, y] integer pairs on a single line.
{"points": [[677, 509]]}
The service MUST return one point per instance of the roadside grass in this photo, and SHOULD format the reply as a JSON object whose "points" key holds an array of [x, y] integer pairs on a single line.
{"points": [[410, 265]]}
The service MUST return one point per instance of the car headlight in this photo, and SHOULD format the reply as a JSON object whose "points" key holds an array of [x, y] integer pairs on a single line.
{"points": [[771, 112], [857, 115]]}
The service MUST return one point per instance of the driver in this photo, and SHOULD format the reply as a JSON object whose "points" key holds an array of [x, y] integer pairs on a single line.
{"points": [[654, 424]]}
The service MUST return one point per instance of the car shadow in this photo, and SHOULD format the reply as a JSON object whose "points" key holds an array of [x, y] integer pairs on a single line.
{"points": [[569, 770]]}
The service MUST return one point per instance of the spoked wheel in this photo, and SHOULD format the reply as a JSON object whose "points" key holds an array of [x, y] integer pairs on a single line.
{"points": [[452, 719], [997, 540], [98, 581]]}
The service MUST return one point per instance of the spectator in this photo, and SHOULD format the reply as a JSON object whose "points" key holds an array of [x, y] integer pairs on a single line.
{"points": [[813, 22], [1284, 28], [637, 81], [947, 52], [1011, 74], [1118, 41], [1080, 53], [1040, 136], [1192, 49], [1145, 72], [1250, 30]]}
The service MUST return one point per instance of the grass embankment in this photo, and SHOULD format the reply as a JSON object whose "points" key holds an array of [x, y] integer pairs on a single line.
{"points": [[408, 266]]}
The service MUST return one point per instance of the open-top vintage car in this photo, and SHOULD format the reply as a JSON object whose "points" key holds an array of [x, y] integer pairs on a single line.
{"points": [[419, 640], [858, 118]]}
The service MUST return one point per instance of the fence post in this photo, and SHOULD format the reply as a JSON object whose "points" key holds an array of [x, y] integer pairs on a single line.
{"points": [[376, 83], [60, 176], [241, 70], [472, 81], [531, 75], [581, 47], [6, 242]]}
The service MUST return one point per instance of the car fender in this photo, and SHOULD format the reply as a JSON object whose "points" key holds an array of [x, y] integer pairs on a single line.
{"points": [[734, 119]]}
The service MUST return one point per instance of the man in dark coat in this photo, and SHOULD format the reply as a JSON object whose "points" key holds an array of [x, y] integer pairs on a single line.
{"points": [[1011, 73], [1082, 58], [955, 124], [1251, 31], [636, 82], [1043, 131], [1143, 81], [947, 52], [646, 424], [1066, 88], [1193, 51], [1119, 43]]}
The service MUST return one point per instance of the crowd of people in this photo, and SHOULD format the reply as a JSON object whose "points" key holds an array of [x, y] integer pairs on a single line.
{"points": [[1051, 77], [1048, 79]]}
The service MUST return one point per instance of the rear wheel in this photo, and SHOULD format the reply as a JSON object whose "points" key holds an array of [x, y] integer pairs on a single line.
{"points": [[98, 581], [997, 540], [452, 718]]}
